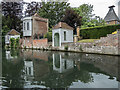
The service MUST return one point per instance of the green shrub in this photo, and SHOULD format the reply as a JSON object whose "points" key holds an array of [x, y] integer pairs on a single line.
{"points": [[66, 47], [48, 35], [12, 42], [17, 42], [98, 31]]}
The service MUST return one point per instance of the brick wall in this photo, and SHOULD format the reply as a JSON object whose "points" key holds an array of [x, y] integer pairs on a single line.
{"points": [[40, 43], [37, 43], [112, 22], [40, 26]]}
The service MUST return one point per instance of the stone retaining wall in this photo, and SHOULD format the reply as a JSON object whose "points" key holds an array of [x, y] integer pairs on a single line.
{"points": [[106, 45]]}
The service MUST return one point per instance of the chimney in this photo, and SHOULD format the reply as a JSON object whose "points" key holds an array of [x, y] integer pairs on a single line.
{"points": [[119, 10], [111, 6]]}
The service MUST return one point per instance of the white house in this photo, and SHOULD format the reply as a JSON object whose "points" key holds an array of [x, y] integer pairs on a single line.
{"points": [[12, 34], [62, 33]]}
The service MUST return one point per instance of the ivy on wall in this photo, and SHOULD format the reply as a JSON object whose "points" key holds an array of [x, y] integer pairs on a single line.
{"points": [[14, 43]]}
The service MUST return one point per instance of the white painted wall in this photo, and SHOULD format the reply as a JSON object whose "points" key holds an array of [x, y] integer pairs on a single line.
{"points": [[8, 37], [69, 35], [25, 31]]}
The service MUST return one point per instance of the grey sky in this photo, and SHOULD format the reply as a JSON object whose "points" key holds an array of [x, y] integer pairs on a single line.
{"points": [[100, 6]]}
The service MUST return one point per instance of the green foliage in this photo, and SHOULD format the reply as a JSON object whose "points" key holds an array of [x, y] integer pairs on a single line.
{"points": [[14, 42], [5, 30], [66, 47], [54, 11], [17, 42], [85, 10], [98, 31], [72, 19], [48, 35], [12, 14]]}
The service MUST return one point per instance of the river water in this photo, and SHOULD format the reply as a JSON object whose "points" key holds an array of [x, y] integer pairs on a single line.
{"points": [[51, 69]]}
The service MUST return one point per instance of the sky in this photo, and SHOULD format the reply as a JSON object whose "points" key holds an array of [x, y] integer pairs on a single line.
{"points": [[100, 7]]}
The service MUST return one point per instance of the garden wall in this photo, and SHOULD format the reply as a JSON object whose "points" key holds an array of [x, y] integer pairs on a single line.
{"points": [[106, 45], [36, 43]]}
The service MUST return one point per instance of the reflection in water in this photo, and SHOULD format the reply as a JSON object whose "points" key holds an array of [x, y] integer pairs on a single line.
{"points": [[60, 64], [59, 70], [28, 70]]}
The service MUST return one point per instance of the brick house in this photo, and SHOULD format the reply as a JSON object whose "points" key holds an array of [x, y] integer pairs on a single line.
{"points": [[34, 26], [111, 17]]}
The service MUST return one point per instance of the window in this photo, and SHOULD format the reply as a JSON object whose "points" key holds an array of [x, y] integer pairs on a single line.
{"points": [[27, 25], [64, 36], [7, 37], [24, 25], [29, 70]]}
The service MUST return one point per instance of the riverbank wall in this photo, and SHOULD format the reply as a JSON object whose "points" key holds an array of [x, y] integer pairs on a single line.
{"points": [[105, 45]]}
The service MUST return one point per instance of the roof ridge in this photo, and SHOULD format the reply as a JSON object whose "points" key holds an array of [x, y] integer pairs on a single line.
{"points": [[62, 25], [11, 31]]}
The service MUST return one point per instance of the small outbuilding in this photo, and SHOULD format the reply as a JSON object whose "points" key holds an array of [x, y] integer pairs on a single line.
{"points": [[61, 33], [111, 18], [12, 34]]}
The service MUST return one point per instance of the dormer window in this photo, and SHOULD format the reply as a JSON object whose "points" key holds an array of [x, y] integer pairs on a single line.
{"points": [[27, 25]]}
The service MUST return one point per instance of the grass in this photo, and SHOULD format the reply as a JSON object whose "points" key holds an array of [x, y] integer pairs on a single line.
{"points": [[87, 40]]}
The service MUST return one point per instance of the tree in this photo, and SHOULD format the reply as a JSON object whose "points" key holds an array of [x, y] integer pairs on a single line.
{"points": [[54, 11], [72, 19], [32, 8], [85, 10], [12, 14], [88, 19]]}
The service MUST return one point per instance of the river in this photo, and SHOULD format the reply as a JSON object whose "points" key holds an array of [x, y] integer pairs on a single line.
{"points": [[51, 69]]}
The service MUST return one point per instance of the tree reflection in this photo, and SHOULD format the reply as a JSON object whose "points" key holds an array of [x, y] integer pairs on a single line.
{"points": [[66, 73], [12, 71]]}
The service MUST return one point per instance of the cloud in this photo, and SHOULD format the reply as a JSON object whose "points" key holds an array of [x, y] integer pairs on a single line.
{"points": [[100, 6]]}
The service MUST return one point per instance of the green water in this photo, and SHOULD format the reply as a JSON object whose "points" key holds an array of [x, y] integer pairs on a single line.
{"points": [[45, 69]]}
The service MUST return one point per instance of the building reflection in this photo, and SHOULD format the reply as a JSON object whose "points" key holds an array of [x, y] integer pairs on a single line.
{"points": [[12, 54], [61, 64], [28, 70], [59, 70]]}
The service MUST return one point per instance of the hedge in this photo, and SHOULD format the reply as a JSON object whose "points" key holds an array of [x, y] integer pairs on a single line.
{"points": [[98, 31]]}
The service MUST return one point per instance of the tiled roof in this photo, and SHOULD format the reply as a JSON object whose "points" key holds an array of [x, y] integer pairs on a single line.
{"points": [[40, 18], [111, 15], [62, 25], [13, 32]]}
